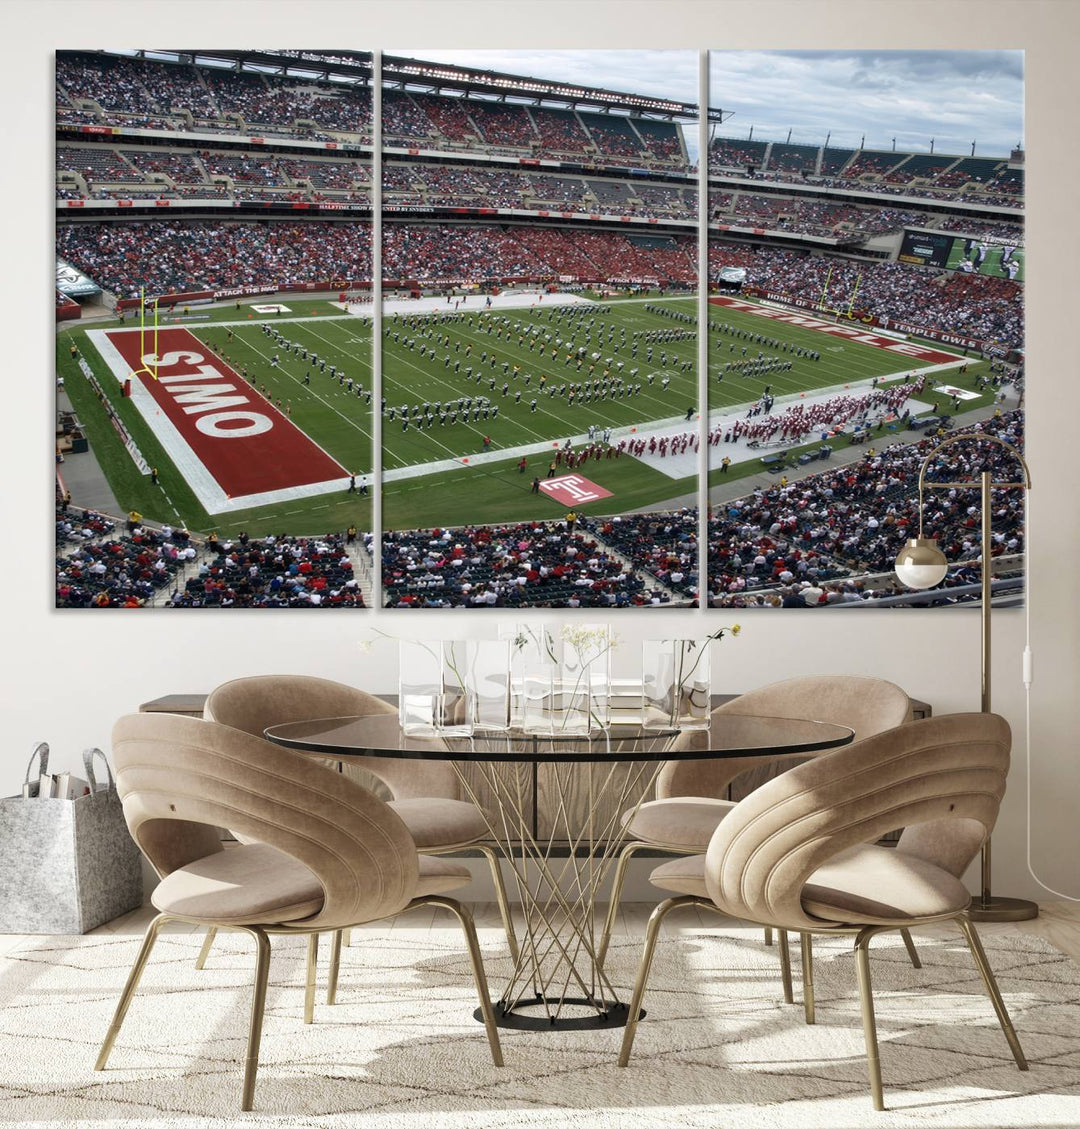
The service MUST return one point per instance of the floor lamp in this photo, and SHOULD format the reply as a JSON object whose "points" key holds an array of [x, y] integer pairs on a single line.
{"points": [[920, 565]]}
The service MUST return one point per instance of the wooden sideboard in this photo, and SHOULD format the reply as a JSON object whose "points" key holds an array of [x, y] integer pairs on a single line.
{"points": [[544, 799]]}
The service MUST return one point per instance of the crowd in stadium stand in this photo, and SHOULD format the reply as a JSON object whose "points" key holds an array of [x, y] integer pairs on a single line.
{"points": [[274, 572], [794, 539], [122, 258], [113, 572], [100, 568], [73, 527], [155, 93], [977, 180], [662, 544], [518, 565], [1003, 232], [977, 306], [205, 255], [134, 92]]}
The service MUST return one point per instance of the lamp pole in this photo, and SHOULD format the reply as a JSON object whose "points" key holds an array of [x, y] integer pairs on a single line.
{"points": [[986, 907]]}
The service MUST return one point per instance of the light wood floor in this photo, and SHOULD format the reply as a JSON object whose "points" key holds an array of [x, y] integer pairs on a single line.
{"points": [[1058, 923]]}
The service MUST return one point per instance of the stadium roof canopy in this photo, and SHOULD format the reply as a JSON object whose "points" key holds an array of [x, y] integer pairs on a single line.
{"points": [[349, 66], [443, 78], [446, 77]]}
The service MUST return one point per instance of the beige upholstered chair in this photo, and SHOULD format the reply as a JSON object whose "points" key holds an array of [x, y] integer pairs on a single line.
{"points": [[425, 793], [323, 852], [800, 853], [692, 795]]}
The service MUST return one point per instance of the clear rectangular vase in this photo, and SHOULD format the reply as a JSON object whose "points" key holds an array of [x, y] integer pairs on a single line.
{"points": [[677, 683], [434, 696], [530, 647], [488, 681]]}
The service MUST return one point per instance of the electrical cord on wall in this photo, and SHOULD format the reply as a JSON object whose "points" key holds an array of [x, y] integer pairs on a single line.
{"points": [[1027, 676]]}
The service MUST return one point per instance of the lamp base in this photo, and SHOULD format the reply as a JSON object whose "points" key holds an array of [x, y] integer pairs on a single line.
{"points": [[1002, 909]]}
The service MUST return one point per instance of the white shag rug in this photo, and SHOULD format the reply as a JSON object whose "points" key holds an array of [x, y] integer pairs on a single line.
{"points": [[718, 1049]]}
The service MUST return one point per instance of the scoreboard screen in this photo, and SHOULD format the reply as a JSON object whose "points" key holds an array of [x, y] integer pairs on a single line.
{"points": [[960, 253], [926, 248], [999, 260]]}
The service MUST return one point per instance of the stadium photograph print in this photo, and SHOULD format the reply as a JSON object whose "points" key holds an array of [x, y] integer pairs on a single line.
{"points": [[866, 305], [214, 329], [540, 406]]}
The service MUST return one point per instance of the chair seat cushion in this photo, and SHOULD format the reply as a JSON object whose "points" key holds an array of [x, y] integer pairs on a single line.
{"points": [[436, 823], [682, 876], [865, 885], [685, 823], [438, 875], [872, 885], [247, 885]]}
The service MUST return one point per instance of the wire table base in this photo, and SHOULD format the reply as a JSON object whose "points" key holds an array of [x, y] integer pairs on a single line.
{"points": [[558, 982]]}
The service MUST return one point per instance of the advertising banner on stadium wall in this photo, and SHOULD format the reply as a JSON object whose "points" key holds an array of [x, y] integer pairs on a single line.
{"points": [[71, 281]]}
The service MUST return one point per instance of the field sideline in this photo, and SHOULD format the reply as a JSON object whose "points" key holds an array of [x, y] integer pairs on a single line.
{"points": [[340, 420]]}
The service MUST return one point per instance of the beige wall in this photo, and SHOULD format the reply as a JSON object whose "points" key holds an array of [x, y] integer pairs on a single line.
{"points": [[66, 676]]}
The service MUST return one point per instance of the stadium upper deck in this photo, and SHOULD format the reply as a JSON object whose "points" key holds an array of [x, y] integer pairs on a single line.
{"points": [[288, 97], [992, 181]]}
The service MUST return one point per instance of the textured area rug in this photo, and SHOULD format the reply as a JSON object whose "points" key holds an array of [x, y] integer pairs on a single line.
{"points": [[400, 1050]]}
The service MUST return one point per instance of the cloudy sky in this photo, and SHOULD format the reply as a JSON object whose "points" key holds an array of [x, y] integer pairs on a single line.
{"points": [[954, 97]]}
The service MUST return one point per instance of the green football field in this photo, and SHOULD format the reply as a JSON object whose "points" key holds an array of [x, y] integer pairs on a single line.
{"points": [[340, 420]]}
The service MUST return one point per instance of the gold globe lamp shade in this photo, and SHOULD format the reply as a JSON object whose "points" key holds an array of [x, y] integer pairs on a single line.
{"points": [[921, 564]]}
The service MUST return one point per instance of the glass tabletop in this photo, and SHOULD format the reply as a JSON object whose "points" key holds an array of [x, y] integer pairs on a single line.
{"points": [[728, 735]]}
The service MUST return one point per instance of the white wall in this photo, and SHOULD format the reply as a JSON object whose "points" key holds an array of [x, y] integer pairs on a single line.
{"points": [[65, 676]]}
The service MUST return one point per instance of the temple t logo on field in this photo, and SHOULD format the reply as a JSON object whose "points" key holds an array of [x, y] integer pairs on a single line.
{"points": [[573, 490]]}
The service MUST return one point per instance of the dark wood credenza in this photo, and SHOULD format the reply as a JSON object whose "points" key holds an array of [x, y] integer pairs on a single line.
{"points": [[543, 794]]}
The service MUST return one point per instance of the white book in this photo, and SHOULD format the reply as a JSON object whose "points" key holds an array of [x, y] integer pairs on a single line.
{"points": [[46, 784]]}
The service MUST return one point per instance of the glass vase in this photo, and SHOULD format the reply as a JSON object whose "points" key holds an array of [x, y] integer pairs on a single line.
{"points": [[585, 660], [530, 647], [556, 701], [677, 683], [487, 676], [434, 696]]}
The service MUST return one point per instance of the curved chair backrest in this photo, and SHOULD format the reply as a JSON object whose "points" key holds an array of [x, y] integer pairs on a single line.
{"points": [[932, 773], [867, 705], [179, 777], [253, 704]]}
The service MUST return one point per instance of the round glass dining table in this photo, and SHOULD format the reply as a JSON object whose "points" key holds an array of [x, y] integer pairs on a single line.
{"points": [[558, 806]]}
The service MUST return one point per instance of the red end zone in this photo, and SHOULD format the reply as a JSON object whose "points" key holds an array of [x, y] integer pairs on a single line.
{"points": [[218, 419], [849, 333]]}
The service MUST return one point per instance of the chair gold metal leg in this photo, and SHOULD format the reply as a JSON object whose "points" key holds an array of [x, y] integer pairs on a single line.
{"points": [[464, 915], [494, 861], [866, 1003], [992, 990], [785, 966], [617, 881], [806, 951], [651, 934], [335, 965], [134, 976], [207, 945], [346, 937], [912, 952], [768, 935], [309, 991], [258, 1007]]}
